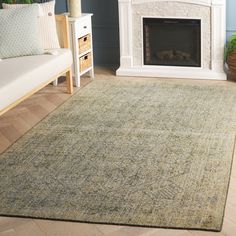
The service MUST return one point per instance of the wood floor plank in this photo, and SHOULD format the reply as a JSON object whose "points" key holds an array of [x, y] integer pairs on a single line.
{"points": [[169, 232], [4, 142], [30, 228], [9, 223], [206, 233], [68, 228], [10, 133], [231, 197], [132, 231], [229, 228], [9, 232], [230, 212], [20, 125]]}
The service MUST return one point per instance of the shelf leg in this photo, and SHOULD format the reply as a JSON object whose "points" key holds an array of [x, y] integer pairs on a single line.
{"points": [[55, 82], [91, 72], [77, 81]]}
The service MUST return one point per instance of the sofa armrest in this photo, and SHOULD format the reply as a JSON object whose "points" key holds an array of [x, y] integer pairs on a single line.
{"points": [[63, 30]]}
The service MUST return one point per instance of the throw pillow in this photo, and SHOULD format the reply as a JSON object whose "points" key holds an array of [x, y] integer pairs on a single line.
{"points": [[46, 21], [19, 33]]}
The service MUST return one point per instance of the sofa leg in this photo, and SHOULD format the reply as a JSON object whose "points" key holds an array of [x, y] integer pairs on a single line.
{"points": [[69, 82]]}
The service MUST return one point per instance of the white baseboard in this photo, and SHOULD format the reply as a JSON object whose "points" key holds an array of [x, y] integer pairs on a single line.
{"points": [[178, 73]]}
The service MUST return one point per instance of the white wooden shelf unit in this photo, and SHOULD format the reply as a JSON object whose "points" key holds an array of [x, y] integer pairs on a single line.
{"points": [[82, 46]]}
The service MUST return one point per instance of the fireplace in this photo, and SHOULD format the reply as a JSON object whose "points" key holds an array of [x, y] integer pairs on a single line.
{"points": [[172, 42], [172, 38]]}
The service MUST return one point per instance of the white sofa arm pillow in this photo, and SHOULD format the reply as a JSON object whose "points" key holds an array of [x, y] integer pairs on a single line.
{"points": [[46, 21], [19, 32]]}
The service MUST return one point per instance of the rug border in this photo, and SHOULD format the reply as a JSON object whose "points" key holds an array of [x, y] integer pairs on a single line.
{"points": [[107, 223], [229, 181]]}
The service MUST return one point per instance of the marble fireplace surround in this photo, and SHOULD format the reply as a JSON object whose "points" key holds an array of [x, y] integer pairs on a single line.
{"points": [[212, 16]]}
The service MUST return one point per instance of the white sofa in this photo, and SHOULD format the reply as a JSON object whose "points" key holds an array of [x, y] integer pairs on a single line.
{"points": [[22, 76]]}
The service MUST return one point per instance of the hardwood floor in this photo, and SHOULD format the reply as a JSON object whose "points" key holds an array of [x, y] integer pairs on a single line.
{"points": [[22, 118]]}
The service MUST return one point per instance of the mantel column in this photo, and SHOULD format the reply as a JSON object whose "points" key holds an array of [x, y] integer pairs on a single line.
{"points": [[218, 28], [125, 21]]}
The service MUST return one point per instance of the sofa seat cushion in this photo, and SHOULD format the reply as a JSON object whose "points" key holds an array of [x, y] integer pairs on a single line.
{"points": [[19, 76]]}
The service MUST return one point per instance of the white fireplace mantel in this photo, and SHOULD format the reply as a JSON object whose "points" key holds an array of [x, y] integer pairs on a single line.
{"points": [[216, 39], [197, 2]]}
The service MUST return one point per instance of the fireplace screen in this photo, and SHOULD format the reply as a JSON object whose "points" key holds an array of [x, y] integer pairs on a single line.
{"points": [[172, 42]]}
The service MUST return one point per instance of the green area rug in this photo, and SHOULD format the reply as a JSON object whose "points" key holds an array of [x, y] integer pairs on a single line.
{"points": [[147, 153]]}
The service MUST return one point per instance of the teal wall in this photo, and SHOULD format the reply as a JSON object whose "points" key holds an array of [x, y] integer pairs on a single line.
{"points": [[231, 17], [105, 30]]}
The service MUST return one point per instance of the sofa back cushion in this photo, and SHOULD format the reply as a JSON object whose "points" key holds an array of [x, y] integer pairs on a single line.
{"points": [[46, 21], [19, 32]]}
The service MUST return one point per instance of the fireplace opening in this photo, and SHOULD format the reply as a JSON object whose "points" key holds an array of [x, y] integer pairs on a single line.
{"points": [[172, 42]]}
